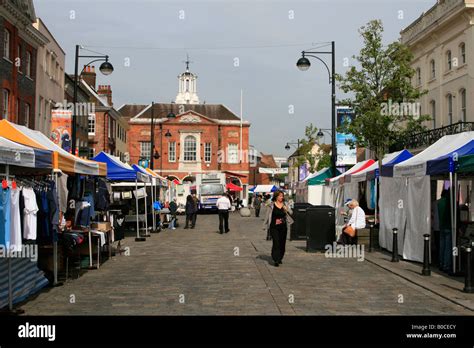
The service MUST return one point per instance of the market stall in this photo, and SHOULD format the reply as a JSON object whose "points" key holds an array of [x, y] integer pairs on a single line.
{"points": [[122, 173], [313, 188], [405, 201], [20, 276]]}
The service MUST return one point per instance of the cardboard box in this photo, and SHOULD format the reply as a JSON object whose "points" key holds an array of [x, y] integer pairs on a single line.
{"points": [[101, 226]]}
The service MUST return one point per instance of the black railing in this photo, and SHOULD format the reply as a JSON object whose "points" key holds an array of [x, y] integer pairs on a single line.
{"points": [[427, 138]]}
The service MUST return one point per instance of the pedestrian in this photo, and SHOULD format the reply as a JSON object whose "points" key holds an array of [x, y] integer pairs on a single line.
{"points": [[446, 243], [196, 209], [223, 206], [190, 210], [173, 209], [276, 221], [356, 222], [257, 203]]}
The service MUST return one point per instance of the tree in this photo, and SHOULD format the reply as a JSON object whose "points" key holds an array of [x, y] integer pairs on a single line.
{"points": [[384, 101], [316, 161]]}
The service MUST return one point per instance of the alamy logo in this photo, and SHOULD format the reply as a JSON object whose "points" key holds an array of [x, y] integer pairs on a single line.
{"points": [[82, 109], [37, 331], [400, 109], [345, 251]]}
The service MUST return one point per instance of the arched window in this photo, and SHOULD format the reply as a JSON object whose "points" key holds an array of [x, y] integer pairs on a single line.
{"points": [[418, 76], [462, 94], [462, 52], [433, 68], [190, 148], [449, 104], [433, 113], [449, 61]]}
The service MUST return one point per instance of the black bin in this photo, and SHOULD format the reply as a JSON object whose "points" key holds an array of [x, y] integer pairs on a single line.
{"points": [[298, 228], [320, 227]]}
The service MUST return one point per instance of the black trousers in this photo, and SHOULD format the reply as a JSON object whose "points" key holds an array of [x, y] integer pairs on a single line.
{"points": [[257, 212], [345, 239], [279, 242], [194, 219], [223, 221], [189, 219]]}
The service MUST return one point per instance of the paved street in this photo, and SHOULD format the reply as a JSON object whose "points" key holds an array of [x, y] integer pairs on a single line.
{"points": [[197, 272]]}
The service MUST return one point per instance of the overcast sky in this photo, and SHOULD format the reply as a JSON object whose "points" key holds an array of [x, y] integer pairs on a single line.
{"points": [[234, 45]]}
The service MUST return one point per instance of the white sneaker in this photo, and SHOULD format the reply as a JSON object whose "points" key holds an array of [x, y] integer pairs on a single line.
{"points": [[173, 228]]}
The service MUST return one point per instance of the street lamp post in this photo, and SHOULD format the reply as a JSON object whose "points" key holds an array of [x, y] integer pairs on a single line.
{"points": [[105, 68], [303, 64]]}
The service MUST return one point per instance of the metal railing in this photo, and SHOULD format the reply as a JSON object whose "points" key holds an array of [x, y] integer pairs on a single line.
{"points": [[427, 138]]}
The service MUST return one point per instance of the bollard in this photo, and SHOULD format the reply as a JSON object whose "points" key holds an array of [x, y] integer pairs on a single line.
{"points": [[395, 257], [468, 286], [426, 257], [371, 230]]}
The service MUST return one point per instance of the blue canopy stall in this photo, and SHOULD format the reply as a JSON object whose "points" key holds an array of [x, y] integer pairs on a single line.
{"points": [[121, 172]]}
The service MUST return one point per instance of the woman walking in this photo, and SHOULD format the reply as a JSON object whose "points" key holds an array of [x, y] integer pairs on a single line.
{"points": [[190, 211], [277, 219]]}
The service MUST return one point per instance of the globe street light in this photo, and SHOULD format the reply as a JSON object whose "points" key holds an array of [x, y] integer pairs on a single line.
{"points": [[304, 64], [105, 68]]}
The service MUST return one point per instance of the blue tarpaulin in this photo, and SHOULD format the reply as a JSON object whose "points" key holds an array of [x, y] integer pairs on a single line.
{"points": [[116, 170], [387, 169]]}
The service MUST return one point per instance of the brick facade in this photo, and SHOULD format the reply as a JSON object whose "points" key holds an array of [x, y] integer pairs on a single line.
{"points": [[206, 130], [21, 88]]}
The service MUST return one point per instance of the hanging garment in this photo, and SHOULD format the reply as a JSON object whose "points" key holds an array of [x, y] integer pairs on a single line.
{"points": [[5, 217], [102, 196], [30, 214], [62, 192], [15, 221], [89, 198], [82, 214]]}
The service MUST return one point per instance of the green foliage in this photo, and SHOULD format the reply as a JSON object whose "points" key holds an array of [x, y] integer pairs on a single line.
{"points": [[316, 161], [380, 84]]}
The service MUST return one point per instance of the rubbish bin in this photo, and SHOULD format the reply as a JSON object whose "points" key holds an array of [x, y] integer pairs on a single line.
{"points": [[320, 227], [298, 228]]}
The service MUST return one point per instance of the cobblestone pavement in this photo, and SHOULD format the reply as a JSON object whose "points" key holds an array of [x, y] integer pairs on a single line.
{"points": [[200, 272]]}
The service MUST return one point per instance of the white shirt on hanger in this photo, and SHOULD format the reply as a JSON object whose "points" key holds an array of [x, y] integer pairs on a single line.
{"points": [[15, 220], [30, 211]]}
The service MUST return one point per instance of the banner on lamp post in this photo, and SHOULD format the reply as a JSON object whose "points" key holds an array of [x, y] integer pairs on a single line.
{"points": [[345, 155], [61, 128]]}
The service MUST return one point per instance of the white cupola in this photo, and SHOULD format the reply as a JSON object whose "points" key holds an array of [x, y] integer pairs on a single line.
{"points": [[187, 87]]}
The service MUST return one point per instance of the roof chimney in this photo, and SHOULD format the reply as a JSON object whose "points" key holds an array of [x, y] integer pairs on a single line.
{"points": [[89, 75], [105, 93]]}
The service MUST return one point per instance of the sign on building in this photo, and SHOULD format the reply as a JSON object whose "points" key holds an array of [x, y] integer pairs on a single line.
{"points": [[345, 155], [61, 128], [273, 171]]}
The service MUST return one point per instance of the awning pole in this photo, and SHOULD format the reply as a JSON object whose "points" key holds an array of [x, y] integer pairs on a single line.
{"points": [[451, 194], [136, 204], [376, 182], [55, 243], [10, 286], [146, 212], [152, 189], [455, 224]]}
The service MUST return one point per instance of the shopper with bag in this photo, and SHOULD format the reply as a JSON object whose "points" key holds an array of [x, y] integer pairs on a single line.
{"points": [[277, 219], [356, 222]]}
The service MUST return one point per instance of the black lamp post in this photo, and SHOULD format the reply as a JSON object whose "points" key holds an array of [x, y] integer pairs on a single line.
{"points": [[303, 64], [153, 153], [105, 68]]}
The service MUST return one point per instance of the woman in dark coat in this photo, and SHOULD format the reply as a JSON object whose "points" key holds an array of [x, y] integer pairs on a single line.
{"points": [[190, 211]]}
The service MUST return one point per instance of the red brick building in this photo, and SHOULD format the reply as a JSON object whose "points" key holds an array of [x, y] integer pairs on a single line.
{"points": [[20, 41], [200, 138], [203, 138]]}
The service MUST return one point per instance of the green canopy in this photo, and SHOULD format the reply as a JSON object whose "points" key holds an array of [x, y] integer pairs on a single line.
{"points": [[465, 164], [319, 178]]}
